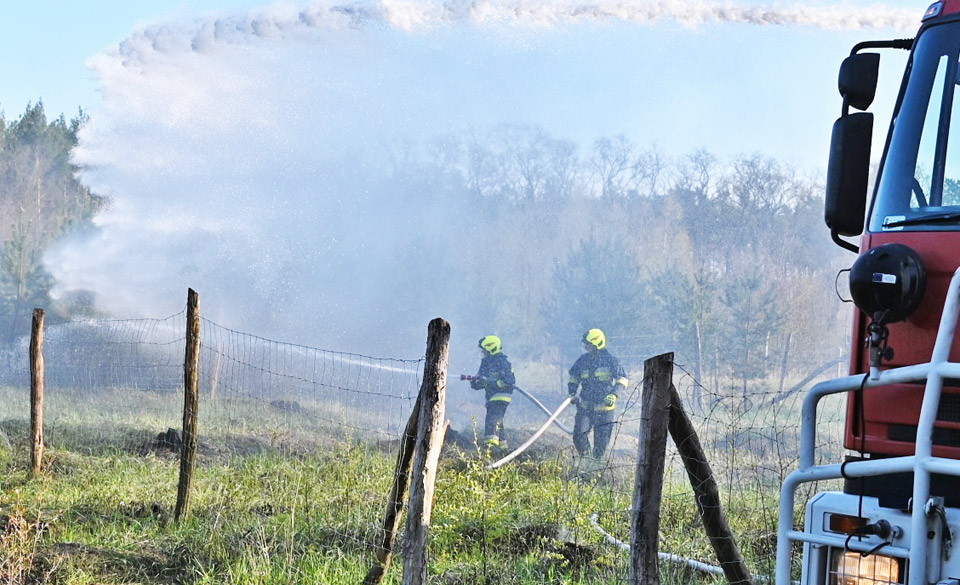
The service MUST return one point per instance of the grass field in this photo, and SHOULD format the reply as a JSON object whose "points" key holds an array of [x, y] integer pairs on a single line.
{"points": [[265, 519], [286, 501]]}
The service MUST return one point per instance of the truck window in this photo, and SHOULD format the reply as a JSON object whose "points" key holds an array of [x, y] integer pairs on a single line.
{"points": [[921, 171], [923, 174], [951, 178]]}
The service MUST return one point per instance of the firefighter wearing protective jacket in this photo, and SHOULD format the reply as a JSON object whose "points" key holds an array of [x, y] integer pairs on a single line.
{"points": [[495, 377], [599, 378]]}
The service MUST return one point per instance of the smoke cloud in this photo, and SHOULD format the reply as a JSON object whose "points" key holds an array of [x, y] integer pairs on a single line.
{"points": [[279, 23], [254, 157]]}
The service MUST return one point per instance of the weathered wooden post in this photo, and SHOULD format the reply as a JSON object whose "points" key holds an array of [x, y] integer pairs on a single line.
{"points": [[706, 492], [36, 391], [191, 364], [427, 455], [391, 517], [648, 486]]}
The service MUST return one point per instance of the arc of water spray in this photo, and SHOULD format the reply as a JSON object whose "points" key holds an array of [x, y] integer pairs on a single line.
{"points": [[277, 22]]}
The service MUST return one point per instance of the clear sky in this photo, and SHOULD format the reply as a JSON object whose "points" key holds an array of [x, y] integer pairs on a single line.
{"points": [[46, 43]]}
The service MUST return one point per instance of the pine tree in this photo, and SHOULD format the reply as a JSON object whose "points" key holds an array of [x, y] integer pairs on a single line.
{"points": [[24, 282]]}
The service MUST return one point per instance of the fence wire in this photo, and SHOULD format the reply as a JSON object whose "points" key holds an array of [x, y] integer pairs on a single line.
{"points": [[286, 433], [751, 444], [298, 398], [116, 386]]}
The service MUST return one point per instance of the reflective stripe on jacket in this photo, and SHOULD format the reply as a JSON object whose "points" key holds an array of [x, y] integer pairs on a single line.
{"points": [[496, 376], [597, 374]]}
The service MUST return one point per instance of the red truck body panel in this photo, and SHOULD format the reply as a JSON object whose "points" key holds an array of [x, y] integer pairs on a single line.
{"points": [[890, 414]]}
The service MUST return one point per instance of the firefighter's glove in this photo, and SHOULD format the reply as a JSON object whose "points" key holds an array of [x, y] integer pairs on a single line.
{"points": [[610, 400], [574, 399], [476, 383]]}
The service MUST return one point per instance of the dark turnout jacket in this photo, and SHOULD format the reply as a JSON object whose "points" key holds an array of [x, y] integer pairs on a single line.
{"points": [[597, 374], [495, 378]]}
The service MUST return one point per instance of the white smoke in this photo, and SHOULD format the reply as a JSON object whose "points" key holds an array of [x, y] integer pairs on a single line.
{"points": [[248, 156], [279, 23], [687, 13]]}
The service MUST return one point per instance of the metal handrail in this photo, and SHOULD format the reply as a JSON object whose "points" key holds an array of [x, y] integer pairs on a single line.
{"points": [[922, 463]]}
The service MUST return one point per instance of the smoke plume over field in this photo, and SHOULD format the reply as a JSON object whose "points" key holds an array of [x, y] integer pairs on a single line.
{"points": [[269, 160]]}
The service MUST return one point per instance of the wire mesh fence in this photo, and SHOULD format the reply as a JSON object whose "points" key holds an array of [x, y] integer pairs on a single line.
{"points": [[119, 384], [116, 387], [299, 398], [112, 382], [288, 435], [751, 444]]}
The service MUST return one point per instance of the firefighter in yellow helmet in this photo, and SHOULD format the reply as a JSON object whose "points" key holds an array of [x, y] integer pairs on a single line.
{"points": [[599, 378], [495, 377]]}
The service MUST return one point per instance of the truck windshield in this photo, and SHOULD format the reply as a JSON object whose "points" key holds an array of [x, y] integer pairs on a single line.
{"points": [[920, 185]]}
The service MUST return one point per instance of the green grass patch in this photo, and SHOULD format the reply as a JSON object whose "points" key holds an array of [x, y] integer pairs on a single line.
{"points": [[282, 504]]}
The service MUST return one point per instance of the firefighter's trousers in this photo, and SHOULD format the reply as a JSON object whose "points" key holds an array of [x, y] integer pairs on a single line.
{"points": [[600, 422], [493, 424]]}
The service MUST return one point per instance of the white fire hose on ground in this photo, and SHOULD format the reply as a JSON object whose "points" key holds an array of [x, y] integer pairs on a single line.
{"points": [[693, 564], [535, 436], [533, 399]]}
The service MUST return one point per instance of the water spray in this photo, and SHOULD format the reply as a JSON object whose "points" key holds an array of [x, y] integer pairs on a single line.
{"points": [[279, 23]]}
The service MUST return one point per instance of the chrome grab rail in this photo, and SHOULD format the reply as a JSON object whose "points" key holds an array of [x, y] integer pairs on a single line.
{"points": [[922, 463]]}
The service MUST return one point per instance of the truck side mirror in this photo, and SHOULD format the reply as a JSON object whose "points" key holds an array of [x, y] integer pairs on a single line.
{"points": [[847, 173], [858, 79]]}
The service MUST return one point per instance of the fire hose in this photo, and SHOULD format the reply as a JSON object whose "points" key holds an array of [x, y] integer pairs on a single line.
{"points": [[532, 399], [693, 564], [536, 435]]}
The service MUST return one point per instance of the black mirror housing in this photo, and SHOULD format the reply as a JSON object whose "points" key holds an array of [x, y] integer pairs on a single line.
{"points": [[858, 79], [848, 173]]}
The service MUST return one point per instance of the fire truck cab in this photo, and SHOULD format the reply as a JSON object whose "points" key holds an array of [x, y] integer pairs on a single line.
{"points": [[897, 518]]}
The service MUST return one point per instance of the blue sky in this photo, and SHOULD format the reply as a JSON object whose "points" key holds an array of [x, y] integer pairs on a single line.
{"points": [[46, 44]]}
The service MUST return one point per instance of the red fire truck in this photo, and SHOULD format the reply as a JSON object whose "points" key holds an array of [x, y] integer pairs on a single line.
{"points": [[897, 517]]}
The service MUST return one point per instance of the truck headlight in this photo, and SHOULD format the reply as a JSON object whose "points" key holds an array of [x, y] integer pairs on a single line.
{"points": [[850, 568]]}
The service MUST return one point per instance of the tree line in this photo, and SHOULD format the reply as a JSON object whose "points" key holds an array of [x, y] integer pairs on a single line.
{"points": [[726, 262], [41, 201]]}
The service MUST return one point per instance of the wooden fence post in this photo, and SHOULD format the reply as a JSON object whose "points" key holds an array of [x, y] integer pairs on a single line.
{"points": [[648, 486], [391, 517], [36, 390], [427, 455], [191, 363], [706, 492]]}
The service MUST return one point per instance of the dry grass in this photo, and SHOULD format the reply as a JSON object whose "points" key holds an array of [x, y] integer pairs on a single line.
{"points": [[19, 546]]}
